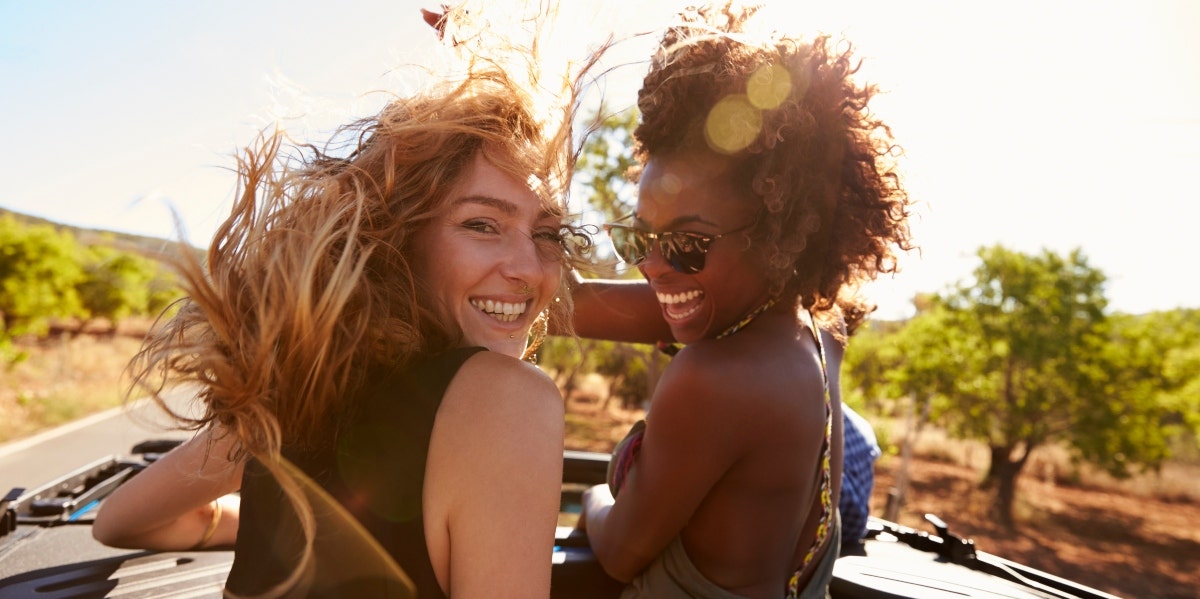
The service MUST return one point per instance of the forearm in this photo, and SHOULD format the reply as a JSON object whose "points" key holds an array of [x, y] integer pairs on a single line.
{"points": [[597, 505], [618, 311], [169, 505], [213, 524]]}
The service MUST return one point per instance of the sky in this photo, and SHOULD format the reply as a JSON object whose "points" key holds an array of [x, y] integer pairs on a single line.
{"points": [[1036, 125]]}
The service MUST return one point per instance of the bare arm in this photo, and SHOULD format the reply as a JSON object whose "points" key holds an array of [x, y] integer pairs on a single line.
{"points": [[618, 311], [683, 454], [494, 480], [170, 506]]}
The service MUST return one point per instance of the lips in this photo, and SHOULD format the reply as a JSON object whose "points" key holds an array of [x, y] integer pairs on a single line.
{"points": [[678, 306], [501, 311]]}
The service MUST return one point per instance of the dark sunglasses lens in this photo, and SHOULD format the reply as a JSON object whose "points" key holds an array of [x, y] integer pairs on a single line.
{"points": [[685, 253], [629, 244]]}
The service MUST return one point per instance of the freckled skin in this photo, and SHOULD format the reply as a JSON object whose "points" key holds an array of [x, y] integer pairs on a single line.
{"points": [[482, 252]]}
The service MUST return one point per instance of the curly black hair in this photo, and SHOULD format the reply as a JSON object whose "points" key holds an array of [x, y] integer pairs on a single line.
{"points": [[797, 131]]}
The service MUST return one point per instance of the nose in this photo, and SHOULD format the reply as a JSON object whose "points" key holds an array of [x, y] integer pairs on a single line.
{"points": [[523, 261], [654, 264]]}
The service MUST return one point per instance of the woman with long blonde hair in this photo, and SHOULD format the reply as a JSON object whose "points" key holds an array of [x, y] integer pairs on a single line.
{"points": [[359, 333]]}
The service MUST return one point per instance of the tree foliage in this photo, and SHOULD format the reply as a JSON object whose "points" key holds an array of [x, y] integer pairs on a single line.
{"points": [[116, 284], [46, 275], [39, 272], [606, 164], [1155, 361], [1024, 355]]}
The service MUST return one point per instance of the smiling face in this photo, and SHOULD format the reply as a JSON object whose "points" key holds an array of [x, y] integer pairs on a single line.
{"points": [[692, 193], [492, 258]]}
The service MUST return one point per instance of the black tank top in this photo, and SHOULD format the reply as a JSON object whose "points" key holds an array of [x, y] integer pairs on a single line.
{"points": [[373, 465]]}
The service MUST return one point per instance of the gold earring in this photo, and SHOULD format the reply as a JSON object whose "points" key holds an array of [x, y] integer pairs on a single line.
{"points": [[537, 335]]}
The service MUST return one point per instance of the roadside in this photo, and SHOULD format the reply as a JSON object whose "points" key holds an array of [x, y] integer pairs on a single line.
{"points": [[38, 459], [64, 377]]}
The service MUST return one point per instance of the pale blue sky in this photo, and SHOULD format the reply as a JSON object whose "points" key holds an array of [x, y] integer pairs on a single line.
{"points": [[1032, 124]]}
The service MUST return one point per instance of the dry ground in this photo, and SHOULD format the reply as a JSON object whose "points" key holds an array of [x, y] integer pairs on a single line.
{"points": [[63, 377], [1119, 538]]}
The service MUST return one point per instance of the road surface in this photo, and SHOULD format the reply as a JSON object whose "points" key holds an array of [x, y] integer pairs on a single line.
{"points": [[43, 457]]}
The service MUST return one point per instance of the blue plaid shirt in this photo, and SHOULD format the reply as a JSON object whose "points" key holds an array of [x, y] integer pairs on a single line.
{"points": [[858, 475]]}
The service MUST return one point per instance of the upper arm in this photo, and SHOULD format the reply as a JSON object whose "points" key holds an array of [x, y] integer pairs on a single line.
{"points": [[685, 452], [494, 478], [185, 478]]}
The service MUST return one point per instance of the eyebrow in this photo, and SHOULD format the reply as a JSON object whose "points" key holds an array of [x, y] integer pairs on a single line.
{"points": [[505, 206]]}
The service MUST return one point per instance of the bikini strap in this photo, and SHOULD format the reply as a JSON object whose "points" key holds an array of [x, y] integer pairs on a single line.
{"points": [[826, 491]]}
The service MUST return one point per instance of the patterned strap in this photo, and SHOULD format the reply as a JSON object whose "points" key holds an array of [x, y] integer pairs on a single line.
{"points": [[793, 588]]}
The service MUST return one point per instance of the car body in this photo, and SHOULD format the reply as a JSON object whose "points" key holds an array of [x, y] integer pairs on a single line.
{"points": [[47, 550]]}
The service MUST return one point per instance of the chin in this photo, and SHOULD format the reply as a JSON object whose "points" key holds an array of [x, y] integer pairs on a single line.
{"points": [[514, 348]]}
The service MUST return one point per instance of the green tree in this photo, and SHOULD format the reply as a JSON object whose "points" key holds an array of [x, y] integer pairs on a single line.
{"points": [[565, 359], [163, 291], [1155, 361], [605, 166], [39, 271], [1018, 358], [913, 364], [116, 284]]}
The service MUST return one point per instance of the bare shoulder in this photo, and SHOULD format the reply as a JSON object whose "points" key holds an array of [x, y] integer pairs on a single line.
{"points": [[745, 370], [493, 374], [492, 390], [500, 417]]}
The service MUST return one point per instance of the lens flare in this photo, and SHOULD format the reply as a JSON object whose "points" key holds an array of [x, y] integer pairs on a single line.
{"points": [[732, 124], [769, 86]]}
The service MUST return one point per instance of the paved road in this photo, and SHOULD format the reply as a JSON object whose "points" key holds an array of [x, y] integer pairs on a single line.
{"points": [[39, 459]]}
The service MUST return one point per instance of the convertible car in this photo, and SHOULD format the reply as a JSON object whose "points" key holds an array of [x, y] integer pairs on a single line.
{"points": [[47, 550]]}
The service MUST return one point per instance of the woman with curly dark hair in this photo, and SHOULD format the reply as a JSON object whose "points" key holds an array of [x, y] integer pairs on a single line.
{"points": [[767, 195]]}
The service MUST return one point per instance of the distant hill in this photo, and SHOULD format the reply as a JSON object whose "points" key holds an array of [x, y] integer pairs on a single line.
{"points": [[124, 241]]}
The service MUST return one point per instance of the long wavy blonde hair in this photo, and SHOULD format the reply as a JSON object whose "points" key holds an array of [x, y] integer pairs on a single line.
{"points": [[309, 282], [309, 285]]}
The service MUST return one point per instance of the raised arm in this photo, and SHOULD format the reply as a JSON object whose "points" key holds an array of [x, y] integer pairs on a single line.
{"points": [[179, 502], [616, 310]]}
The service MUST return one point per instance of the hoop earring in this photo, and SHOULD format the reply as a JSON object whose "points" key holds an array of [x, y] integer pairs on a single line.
{"points": [[537, 335]]}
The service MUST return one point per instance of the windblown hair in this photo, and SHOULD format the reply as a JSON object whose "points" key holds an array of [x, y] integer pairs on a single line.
{"points": [[309, 284], [798, 137], [308, 287]]}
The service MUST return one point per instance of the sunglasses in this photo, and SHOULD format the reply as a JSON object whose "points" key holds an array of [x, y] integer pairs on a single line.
{"points": [[683, 250]]}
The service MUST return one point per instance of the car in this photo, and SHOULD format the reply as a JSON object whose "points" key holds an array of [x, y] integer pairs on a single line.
{"points": [[47, 550]]}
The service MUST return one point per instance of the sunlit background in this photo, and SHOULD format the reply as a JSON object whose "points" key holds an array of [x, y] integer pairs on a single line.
{"points": [[1054, 124]]}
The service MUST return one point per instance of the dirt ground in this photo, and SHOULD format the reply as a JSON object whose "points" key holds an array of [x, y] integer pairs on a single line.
{"points": [[1132, 546], [1129, 546]]}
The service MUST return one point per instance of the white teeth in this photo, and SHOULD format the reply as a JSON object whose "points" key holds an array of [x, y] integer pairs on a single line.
{"points": [[686, 314], [502, 311], [679, 298]]}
